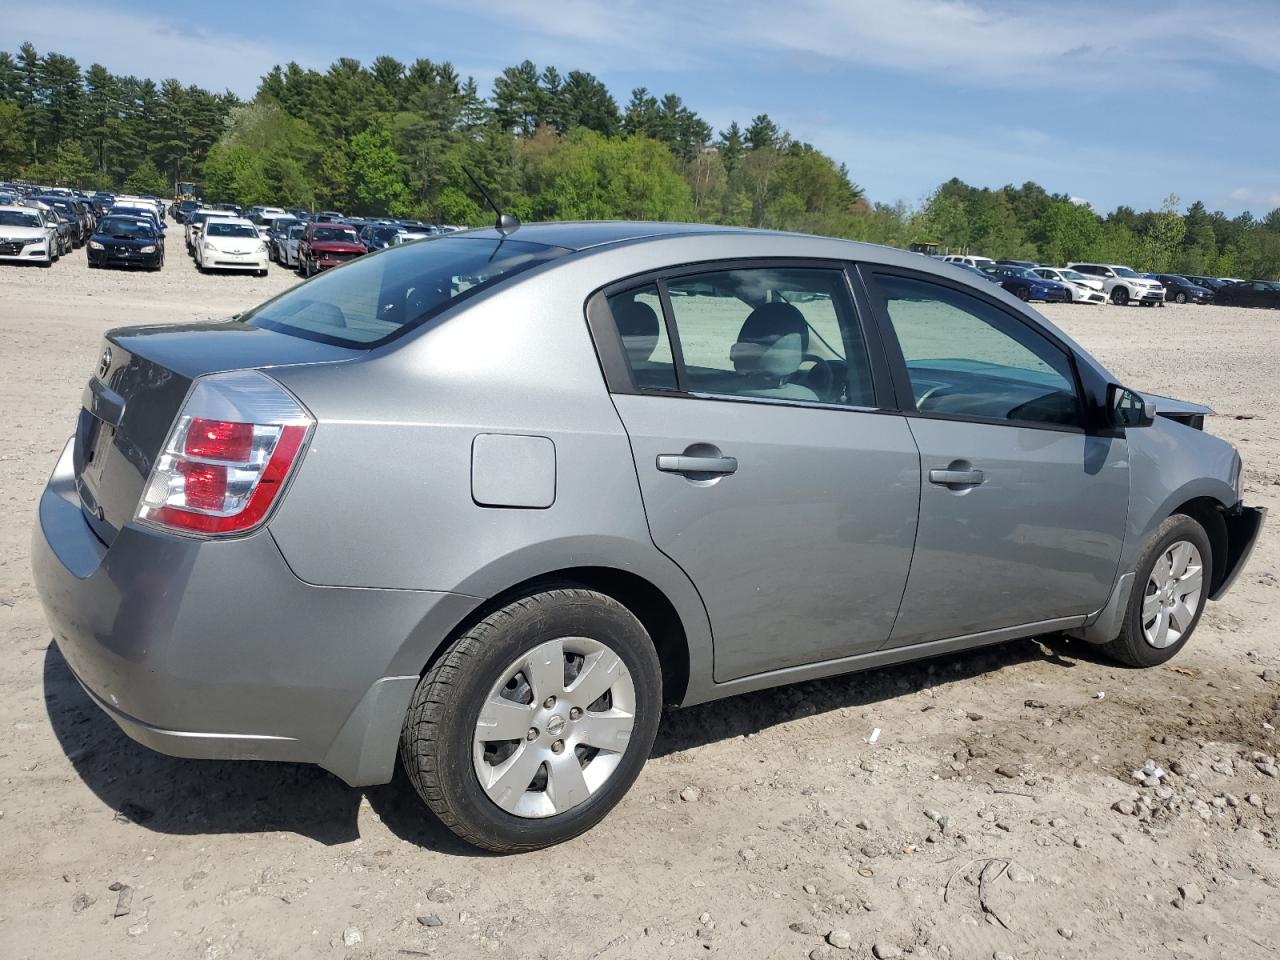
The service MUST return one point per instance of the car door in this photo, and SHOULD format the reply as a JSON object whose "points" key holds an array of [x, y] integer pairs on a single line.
{"points": [[768, 470], [1022, 511]]}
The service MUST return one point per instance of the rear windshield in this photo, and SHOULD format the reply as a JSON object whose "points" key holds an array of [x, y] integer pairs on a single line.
{"points": [[380, 296]]}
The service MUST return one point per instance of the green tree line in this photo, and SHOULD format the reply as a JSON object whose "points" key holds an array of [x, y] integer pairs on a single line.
{"points": [[394, 138]]}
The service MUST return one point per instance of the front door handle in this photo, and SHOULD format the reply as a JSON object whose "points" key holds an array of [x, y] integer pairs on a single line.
{"points": [[957, 478], [683, 463]]}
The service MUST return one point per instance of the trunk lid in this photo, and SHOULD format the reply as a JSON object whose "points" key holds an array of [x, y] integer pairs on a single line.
{"points": [[138, 387]]}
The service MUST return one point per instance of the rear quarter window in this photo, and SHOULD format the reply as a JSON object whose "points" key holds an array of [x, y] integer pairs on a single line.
{"points": [[380, 296]]}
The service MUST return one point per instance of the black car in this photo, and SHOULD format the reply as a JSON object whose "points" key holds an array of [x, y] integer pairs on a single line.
{"points": [[1250, 293], [184, 207], [1209, 283], [1025, 264], [375, 236], [101, 202], [68, 228], [76, 212], [1182, 289], [127, 242]]}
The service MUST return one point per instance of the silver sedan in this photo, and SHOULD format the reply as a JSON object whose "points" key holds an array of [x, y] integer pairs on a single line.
{"points": [[487, 502]]}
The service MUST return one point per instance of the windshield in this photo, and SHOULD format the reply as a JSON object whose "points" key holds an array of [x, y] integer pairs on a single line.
{"points": [[221, 228], [121, 227], [335, 234], [1125, 272], [282, 224], [375, 298], [17, 218], [1072, 275], [296, 231]]}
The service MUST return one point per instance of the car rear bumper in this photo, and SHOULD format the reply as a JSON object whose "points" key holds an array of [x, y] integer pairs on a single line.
{"points": [[214, 649]]}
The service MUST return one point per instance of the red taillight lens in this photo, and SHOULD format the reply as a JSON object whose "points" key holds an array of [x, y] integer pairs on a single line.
{"points": [[206, 484], [218, 439], [228, 456]]}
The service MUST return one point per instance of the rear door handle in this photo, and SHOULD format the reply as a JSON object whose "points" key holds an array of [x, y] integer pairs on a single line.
{"points": [[960, 478], [683, 463]]}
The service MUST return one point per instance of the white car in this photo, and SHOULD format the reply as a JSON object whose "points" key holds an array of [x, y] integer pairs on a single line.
{"points": [[231, 245], [289, 252], [407, 236], [978, 263], [27, 236], [195, 223], [1081, 289], [1123, 285]]}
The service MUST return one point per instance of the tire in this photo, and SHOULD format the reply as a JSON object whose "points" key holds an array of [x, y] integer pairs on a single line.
{"points": [[437, 742], [1023, 294], [1132, 646], [1120, 296], [1180, 297]]}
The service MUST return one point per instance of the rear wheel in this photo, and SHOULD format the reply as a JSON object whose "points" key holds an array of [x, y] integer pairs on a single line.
{"points": [[1180, 297], [1120, 296], [1170, 588], [1023, 293], [535, 722]]}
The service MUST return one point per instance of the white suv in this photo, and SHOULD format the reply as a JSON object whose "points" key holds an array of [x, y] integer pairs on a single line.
{"points": [[978, 263], [1123, 284]]}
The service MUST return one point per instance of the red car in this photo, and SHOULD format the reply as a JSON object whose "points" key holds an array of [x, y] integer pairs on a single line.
{"points": [[327, 245]]}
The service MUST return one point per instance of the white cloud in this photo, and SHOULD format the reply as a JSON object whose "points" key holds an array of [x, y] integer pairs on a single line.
{"points": [[146, 46], [1041, 44], [1268, 199]]}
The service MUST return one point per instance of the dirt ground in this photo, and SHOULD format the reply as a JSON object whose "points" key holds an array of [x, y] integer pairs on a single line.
{"points": [[797, 830]]}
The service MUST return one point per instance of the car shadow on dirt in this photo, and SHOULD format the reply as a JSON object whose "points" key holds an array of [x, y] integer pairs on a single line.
{"points": [[192, 797]]}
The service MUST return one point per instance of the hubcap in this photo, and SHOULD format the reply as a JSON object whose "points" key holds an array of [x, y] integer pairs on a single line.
{"points": [[554, 727], [1172, 595]]}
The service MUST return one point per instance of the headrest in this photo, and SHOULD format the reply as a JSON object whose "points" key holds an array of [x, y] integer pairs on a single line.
{"points": [[638, 325], [773, 340]]}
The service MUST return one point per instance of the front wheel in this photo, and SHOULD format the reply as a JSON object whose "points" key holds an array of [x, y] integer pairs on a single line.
{"points": [[535, 722], [1180, 297], [1170, 587], [1120, 297], [1023, 294]]}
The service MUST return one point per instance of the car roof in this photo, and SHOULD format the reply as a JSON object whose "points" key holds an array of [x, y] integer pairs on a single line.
{"points": [[238, 221], [582, 234], [17, 208]]}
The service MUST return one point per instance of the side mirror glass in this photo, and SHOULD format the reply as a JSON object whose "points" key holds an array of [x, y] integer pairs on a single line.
{"points": [[1128, 408]]}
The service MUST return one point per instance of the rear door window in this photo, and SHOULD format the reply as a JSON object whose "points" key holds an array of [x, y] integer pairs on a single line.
{"points": [[783, 333]]}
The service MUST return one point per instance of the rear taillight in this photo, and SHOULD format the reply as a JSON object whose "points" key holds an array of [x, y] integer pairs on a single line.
{"points": [[235, 443]]}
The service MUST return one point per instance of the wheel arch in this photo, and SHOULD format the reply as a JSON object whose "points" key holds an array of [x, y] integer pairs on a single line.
{"points": [[650, 605]]}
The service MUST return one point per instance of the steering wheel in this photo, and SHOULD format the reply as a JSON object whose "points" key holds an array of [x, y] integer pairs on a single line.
{"points": [[820, 378]]}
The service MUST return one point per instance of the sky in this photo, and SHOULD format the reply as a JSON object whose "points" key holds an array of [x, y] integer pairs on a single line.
{"points": [[1109, 101]]}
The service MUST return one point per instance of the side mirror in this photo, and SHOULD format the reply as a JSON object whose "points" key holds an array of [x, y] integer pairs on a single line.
{"points": [[1128, 409]]}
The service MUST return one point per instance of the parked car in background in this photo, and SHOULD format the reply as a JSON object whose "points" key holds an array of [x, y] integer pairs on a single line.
{"points": [[184, 207], [329, 216], [287, 252], [326, 245], [27, 236], [1026, 285], [126, 241], [408, 236], [375, 236], [1182, 289], [276, 234], [64, 225], [1123, 284], [231, 244], [100, 203], [73, 211], [137, 208], [1250, 293], [1209, 283], [1081, 289], [196, 221], [1025, 264], [968, 261], [394, 513]]}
